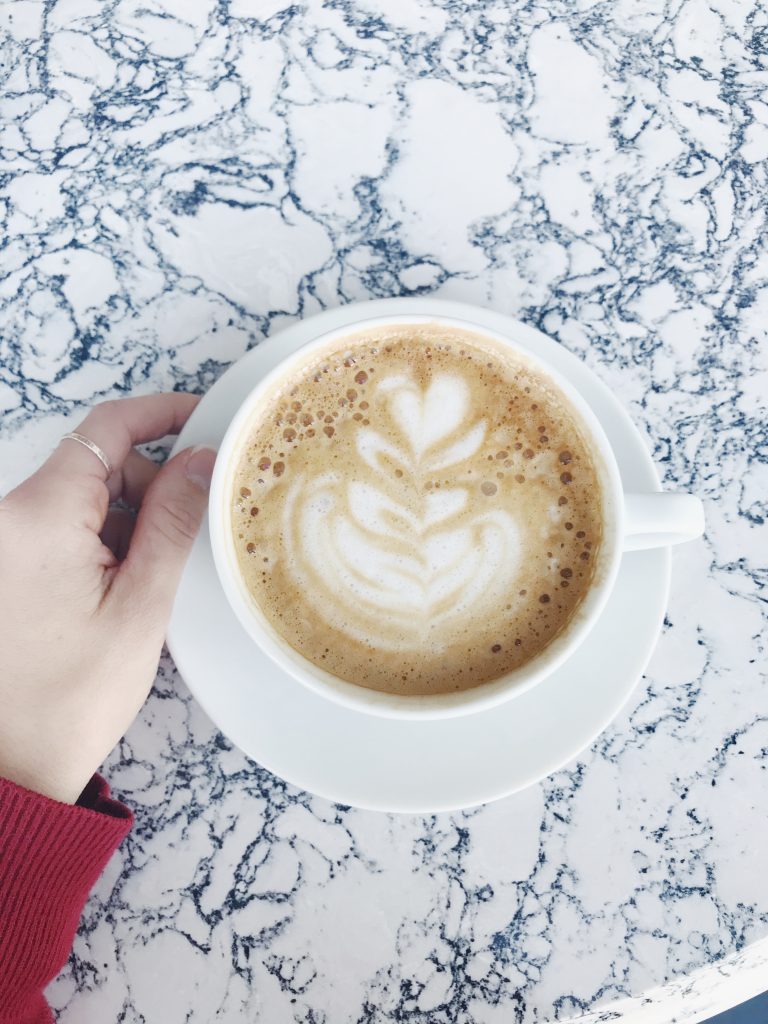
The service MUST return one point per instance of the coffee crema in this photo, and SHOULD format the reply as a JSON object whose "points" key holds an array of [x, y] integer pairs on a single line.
{"points": [[417, 510]]}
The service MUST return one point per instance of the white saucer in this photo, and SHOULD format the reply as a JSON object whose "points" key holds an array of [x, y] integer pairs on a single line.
{"points": [[415, 767]]}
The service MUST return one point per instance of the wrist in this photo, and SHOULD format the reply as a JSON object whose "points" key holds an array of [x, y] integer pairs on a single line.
{"points": [[63, 790]]}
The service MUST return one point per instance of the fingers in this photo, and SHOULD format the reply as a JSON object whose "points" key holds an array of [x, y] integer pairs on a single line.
{"points": [[132, 480], [116, 427], [170, 517], [72, 480]]}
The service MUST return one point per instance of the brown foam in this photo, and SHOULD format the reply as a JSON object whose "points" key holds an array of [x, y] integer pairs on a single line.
{"points": [[343, 556]]}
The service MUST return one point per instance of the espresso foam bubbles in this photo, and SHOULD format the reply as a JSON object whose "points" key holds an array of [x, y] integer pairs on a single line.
{"points": [[417, 511]]}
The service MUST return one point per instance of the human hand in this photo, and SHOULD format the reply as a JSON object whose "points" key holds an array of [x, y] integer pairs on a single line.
{"points": [[86, 591]]}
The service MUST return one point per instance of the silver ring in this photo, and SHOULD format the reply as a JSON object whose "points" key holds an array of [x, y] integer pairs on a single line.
{"points": [[93, 447]]}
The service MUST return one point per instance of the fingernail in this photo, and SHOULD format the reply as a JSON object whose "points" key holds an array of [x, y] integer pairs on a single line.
{"points": [[199, 467]]}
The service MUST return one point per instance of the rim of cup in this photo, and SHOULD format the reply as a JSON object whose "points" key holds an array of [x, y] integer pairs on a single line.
{"points": [[352, 695]]}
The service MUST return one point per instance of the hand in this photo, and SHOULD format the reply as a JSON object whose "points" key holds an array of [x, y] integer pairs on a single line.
{"points": [[86, 591]]}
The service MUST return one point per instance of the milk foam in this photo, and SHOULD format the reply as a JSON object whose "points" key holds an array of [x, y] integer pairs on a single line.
{"points": [[435, 518], [398, 567]]}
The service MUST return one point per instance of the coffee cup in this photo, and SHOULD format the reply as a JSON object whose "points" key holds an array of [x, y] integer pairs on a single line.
{"points": [[627, 522]]}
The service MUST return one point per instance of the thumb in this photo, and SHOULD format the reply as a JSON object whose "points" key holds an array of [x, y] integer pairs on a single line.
{"points": [[168, 522]]}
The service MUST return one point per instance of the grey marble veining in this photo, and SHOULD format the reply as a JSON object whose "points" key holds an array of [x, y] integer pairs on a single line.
{"points": [[178, 181]]}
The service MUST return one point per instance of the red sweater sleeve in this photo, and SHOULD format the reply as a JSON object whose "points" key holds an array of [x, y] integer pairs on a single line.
{"points": [[50, 856]]}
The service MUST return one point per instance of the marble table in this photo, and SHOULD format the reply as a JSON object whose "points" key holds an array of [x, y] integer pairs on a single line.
{"points": [[182, 179]]}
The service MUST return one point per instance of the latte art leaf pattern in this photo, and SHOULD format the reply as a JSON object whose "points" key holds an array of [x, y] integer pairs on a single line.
{"points": [[390, 575], [402, 516]]}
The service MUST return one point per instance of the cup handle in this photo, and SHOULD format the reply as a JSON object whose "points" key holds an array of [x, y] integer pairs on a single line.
{"points": [[655, 520]]}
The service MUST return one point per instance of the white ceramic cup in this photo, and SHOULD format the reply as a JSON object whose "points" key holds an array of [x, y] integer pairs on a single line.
{"points": [[630, 522]]}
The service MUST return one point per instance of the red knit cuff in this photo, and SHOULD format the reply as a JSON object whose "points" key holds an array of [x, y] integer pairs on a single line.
{"points": [[95, 797], [50, 856]]}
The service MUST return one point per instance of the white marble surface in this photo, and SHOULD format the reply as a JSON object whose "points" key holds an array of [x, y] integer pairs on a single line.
{"points": [[181, 179]]}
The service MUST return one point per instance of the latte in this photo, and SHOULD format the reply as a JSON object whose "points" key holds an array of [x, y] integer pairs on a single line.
{"points": [[418, 510]]}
